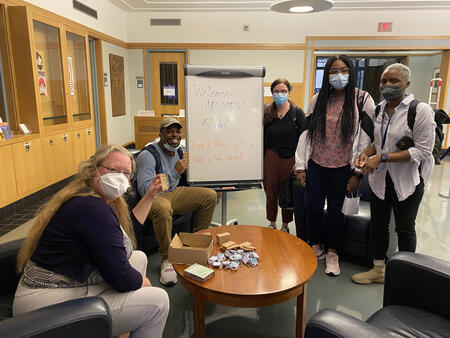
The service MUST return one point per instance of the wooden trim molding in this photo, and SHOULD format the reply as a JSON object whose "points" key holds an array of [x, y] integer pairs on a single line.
{"points": [[218, 46], [384, 37]]}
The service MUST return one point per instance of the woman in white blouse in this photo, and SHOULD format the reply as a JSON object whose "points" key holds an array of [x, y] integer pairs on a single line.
{"points": [[397, 172]]}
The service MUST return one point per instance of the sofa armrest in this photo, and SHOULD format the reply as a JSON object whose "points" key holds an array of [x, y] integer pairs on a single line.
{"points": [[8, 258], [83, 317], [329, 323], [418, 281]]}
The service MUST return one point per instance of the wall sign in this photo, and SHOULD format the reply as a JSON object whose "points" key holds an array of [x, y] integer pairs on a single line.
{"points": [[385, 26], [116, 66]]}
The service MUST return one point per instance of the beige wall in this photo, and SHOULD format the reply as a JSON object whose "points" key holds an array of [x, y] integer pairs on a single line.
{"points": [[270, 27], [111, 19], [137, 95], [278, 63], [119, 128]]}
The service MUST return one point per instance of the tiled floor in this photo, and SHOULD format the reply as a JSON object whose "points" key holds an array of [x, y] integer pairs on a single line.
{"points": [[339, 293], [18, 218]]}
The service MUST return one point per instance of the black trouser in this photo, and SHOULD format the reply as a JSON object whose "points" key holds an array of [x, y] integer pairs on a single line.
{"points": [[329, 183], [405, 213]]}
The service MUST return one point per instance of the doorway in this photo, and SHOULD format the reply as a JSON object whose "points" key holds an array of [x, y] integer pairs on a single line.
{"points": [[368, 72], [165, 81]]}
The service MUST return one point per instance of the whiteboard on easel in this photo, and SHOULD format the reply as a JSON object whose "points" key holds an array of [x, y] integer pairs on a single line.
{"points": [[224, 110]]}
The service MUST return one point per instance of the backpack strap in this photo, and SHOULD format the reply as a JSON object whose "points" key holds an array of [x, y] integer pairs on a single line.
{"points": [[361, 99], [412, 110], [364, 118], [152, 149], [377, 110]]}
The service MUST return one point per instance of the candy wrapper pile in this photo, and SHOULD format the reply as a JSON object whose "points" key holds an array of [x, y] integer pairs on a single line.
{"points": [[232, 259]]}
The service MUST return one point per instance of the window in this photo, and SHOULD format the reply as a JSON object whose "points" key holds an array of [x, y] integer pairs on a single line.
{"points": [[169, 83]]}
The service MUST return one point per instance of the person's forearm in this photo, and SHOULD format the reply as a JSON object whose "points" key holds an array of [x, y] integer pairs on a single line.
{"points": [[370, 150], [142, 209], [401, 156]]}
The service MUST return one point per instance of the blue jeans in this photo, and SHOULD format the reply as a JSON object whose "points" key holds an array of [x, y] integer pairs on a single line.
{"points": [[329, 183]]}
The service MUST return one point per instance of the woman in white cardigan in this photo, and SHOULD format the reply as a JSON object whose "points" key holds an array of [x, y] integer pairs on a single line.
{"points": [[324, 159]]}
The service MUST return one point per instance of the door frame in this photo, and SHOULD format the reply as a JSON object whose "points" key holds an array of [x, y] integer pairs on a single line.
{"points": [[147, 71]]}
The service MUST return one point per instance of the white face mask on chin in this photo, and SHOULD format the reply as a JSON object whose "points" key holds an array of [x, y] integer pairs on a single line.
{"points": [[114, 185]]}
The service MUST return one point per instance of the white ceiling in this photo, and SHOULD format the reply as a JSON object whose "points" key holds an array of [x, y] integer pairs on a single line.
{"points": [[261, 6]]}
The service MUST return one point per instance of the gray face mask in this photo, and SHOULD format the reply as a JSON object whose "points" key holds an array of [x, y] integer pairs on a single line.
{"points": [[391, 92]]}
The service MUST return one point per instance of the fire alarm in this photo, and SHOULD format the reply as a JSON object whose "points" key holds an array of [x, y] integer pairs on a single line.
{"points": [[246, 27]]}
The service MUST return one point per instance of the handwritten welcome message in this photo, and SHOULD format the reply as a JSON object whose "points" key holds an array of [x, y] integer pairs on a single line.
{"points": [[217, 107]]}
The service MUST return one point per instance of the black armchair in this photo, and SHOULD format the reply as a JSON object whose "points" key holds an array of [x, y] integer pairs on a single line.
{"points": [[85, 317], [415, 304]]}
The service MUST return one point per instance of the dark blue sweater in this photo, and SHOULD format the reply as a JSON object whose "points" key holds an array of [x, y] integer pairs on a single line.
{"points": [[84, 235]]}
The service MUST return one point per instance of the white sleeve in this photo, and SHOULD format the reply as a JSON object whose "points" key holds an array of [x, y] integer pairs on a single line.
{"points": [[423, 133]]}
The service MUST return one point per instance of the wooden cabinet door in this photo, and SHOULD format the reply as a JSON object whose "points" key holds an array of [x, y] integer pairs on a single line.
{"points": [[79, 151], [8, 191], [28, 167], [50, 161], [89, 141], [66, 154]]}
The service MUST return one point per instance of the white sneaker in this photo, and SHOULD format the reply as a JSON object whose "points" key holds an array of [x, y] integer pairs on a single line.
{"points": [[332, 263], [168, 274], [319, 251], [285, 229]]}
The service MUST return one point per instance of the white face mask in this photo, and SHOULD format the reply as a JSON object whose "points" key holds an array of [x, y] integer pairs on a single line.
{"points": [[114, 185]]}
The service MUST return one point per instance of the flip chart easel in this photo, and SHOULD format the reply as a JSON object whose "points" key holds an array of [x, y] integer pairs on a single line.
{"points": [[224, 111]]}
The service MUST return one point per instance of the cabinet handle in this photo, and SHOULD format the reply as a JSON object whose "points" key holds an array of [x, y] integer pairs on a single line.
{"points": [[27, 146], [89, 132], [65, 137], [50, 142], [78, 135]]}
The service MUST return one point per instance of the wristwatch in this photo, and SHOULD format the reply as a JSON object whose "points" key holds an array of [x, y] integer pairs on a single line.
{"points": [[384, 157]]}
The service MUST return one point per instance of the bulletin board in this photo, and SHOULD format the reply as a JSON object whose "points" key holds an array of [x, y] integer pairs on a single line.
{"points": [[116, 68]]}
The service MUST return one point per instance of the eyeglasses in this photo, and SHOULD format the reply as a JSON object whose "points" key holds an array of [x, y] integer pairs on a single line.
{"points": [[116, 171], [339, 71], [281, 92]]}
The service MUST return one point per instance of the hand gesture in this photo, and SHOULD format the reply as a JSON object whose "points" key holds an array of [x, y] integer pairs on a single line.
{"points": [[301, 178], [371, 164], [361, 160], [181, 166], [155, 188]]}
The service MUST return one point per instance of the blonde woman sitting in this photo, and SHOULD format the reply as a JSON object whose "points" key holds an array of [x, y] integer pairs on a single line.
{"points": [[81, 245]]}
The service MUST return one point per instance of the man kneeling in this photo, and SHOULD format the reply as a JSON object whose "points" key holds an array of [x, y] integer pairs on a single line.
{"points": [[177, 199]]}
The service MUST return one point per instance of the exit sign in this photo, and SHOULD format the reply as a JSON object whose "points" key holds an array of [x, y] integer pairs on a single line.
{"points": [[385, 26]]}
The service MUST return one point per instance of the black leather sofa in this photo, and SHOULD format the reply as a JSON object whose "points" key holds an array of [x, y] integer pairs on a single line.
{"points": [[85, 317], [416, 303], [356, 237]]}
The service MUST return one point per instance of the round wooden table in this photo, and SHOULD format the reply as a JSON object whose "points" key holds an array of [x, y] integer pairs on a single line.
{"points": [[286, 265]]}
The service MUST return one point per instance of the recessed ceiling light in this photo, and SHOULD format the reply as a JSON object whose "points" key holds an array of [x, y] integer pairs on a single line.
{"points": [[301, 6], [301, 9]]}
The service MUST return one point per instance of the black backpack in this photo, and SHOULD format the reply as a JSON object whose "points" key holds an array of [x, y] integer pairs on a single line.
{"points": [[152, 149], [440, 117]]}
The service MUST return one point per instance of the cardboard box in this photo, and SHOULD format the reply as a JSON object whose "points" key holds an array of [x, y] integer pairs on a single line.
{"points": [[188, 248]]}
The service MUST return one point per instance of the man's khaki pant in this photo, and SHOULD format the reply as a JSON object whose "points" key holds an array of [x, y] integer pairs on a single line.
{"points": [[179, 201]]}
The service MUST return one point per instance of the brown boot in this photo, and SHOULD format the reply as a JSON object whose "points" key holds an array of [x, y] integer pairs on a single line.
{"points": [[375, 275]]}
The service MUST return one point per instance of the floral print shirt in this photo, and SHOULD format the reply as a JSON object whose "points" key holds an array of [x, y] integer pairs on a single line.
{"points": [[332, 152]]}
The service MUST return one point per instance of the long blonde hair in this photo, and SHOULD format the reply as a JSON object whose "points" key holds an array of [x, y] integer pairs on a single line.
{"points": [[82, 185]]}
